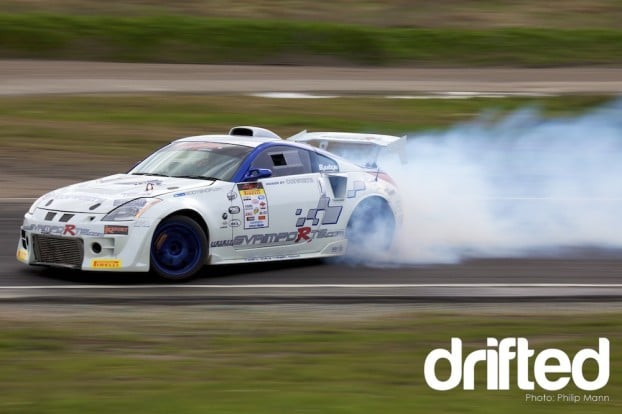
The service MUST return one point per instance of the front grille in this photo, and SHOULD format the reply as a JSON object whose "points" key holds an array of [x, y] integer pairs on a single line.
{"points": [[56, 250]]}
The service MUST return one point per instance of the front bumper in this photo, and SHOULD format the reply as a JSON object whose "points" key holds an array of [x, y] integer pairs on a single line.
{"points": [[83, 241]]}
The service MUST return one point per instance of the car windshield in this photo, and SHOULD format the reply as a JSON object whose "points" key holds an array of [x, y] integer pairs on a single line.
{"points": [[200, 160]]}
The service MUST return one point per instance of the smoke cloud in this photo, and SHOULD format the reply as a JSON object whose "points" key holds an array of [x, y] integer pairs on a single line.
{"points": [[521, 185]]}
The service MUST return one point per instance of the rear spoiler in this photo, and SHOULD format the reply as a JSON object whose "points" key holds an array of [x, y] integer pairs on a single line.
{"points": [[356, 147]]}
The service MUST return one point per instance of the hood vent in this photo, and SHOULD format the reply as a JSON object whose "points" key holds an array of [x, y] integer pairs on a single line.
{"points": [[252, 131], [66, 217]]}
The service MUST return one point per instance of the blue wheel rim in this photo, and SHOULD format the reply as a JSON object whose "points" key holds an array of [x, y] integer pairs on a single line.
{"points": [[176, 249]]}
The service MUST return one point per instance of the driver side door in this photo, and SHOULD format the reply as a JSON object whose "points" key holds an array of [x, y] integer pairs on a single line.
{"points": [[272, 208]]}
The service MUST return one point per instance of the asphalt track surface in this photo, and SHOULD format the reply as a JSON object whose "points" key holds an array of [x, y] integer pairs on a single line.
{"points": [[581, 275], [578, 275]]}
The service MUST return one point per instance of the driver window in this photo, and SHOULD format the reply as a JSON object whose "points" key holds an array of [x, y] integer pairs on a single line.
{"points": [[284, 161]]}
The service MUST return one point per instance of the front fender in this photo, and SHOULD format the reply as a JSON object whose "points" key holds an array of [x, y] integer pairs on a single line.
{"points": [[212, 211]]}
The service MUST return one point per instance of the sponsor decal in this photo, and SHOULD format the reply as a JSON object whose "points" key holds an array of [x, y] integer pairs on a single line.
{"points": [[235, 223], [328, 167], [66, 230], [305, 180], [70, 229], [141, 182], [106, 263], [255, 203], [22, 255], [80, 197], [110, 229], [272, 258], [550, 369], [357, 187], [331, 213], [196, 192], [234, 210], [303, 234], [142, 223], [249, 187], [276, 238]]}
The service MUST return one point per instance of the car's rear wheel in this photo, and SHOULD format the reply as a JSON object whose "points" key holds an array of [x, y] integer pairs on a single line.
{"points": [[178, 248], [371, 228]]}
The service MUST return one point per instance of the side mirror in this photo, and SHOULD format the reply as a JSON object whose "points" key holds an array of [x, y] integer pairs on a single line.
{"points": [[257, 173]]}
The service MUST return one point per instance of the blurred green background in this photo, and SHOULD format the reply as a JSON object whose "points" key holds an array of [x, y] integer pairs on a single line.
{"points": [[339, 32]]}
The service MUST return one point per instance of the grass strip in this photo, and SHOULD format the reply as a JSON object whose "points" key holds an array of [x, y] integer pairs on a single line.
{"points": [[188, 39], [202, 359], [125, 128]]}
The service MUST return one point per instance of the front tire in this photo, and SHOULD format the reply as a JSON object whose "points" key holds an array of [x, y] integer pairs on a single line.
{"points": [[178, 248]]}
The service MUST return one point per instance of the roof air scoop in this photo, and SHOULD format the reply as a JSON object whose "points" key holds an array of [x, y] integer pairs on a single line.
{"points": [[252, 131]]}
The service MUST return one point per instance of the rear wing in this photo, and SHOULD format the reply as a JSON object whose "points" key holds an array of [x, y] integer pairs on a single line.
{"points": [[362, 149]]}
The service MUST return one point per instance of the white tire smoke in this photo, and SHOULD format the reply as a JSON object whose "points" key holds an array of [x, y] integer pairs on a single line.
{"points": [[522, 185]]}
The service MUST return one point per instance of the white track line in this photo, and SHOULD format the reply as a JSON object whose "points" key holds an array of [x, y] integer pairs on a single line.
{"points": [[311, 286]]}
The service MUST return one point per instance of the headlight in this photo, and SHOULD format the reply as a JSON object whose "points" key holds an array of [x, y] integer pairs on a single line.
{"points": [[131, 210]]}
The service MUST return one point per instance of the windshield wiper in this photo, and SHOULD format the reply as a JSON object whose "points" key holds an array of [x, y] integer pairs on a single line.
{"points": [[153, 174], [196, 177]]}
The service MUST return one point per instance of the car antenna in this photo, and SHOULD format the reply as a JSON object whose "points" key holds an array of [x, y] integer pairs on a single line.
{"points": [[376, 162]]}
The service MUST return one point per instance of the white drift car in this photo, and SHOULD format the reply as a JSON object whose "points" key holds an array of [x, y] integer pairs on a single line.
{"points": [[218, 199]]}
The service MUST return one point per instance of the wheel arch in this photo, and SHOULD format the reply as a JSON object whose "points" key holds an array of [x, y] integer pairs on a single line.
{"points": [[375, 198], [367, 230], [194, 215], [200, 235]]}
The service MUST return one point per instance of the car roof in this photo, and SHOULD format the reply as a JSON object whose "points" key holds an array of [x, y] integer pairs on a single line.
{"points": [[230, 139], [254, 142]]}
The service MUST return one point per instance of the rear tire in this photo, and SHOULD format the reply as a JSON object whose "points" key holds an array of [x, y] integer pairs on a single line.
{"points": [[178, 248], [371, 228]]}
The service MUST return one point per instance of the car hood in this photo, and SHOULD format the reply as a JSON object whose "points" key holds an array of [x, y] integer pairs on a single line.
{"points": [[104, 194]]}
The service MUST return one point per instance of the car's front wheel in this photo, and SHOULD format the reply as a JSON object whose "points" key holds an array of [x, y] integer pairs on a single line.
{"points": [[178, 248]]}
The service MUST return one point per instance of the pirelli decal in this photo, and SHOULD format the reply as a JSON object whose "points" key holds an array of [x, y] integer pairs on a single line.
{"points": [[106, 263], [255, 205]]}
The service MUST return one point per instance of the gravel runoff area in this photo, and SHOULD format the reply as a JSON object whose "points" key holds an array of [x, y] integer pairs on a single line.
{"points": [[18, 77]]}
